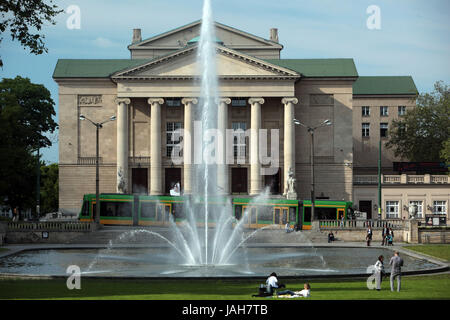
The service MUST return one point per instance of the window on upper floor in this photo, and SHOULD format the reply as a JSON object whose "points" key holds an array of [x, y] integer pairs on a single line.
{"points": [[401, 110], [239, 143], [173, 139], [384, 111], [383, 130], [392, 209], [238, 102], [440, 207], [365, 111], [366, 129], [173, 102]]}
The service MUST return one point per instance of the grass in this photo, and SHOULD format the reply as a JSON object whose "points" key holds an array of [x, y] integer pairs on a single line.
{"points": [[441, 251], [413, 287], [3, 249]]}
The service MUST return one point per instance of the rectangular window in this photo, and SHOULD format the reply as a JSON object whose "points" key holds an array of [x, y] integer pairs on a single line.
{"points": [[365, 129], [419, 205], [173, 139], [173, 102], [365, 111], [391, 209], [439, 207], [401, 110], [239, 144], [238, 102], [384, 111], [383, 130]]}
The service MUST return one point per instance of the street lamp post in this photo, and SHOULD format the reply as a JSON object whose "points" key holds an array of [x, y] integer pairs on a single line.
{"points": [[311, 132], [98, 126]]}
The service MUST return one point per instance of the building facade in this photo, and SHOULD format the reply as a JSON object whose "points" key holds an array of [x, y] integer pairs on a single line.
{"points": [[156, 92]]}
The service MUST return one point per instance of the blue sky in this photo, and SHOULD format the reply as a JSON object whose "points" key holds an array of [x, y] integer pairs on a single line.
{"points": [[413, 39]]}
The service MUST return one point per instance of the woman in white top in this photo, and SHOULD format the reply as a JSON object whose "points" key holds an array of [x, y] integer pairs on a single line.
{"points": [[379, 272], [305, 293]]}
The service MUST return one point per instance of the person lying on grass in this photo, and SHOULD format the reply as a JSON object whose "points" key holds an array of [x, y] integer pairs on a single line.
{"points": [[305, 293]]}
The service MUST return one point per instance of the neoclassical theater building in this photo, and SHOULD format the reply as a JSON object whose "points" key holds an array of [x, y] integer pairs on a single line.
{"points": [[156, 91]]}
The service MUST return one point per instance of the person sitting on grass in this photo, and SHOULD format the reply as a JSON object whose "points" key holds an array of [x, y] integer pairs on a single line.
{"points": [[305, 293], [272, 283]]}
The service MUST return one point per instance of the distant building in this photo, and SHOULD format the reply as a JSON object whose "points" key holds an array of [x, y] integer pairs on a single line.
{"points": [[154, 93]]}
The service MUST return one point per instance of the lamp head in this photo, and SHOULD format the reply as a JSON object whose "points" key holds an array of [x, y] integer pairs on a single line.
{"points": [[113, 118], [327, 122], [296, 122], [82, 117]]}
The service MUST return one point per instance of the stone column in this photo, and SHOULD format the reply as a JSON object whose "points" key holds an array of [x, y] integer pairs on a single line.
{"points": [[289, 138], [122, 145], [155, 146], [222, 125], [255, 165], [187, 143]]}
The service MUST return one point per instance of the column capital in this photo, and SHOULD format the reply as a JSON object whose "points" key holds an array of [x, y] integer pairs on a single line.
{"points": [[155, 100], [293, 100], [224, 100], [189, 100], [256, 100], [122, 100]]}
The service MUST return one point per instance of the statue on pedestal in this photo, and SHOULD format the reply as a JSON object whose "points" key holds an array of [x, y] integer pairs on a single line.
{"points": [[412, 210], [290, 192]]}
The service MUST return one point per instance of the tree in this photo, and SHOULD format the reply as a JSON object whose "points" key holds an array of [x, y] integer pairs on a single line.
{"points": [[49, 188], [420, 135], [26, 112], [22, 16]]}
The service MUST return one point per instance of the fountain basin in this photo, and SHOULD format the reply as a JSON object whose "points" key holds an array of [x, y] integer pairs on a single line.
{"points": [[162, 262]]}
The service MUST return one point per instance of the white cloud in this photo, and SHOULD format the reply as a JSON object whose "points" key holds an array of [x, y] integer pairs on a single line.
{"points": [[105, 43]]}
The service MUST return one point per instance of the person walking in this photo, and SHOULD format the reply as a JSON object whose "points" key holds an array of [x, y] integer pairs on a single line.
{"points": [[369, 236], [379, 272], [391, 236], [384, 234], [396, 262]]}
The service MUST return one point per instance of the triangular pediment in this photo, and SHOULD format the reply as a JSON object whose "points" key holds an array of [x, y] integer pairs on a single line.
{"points": [[183, 64], [179, 38]]}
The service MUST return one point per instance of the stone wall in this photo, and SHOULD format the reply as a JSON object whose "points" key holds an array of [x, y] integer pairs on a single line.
{"points": [[434, 235], [20, 237], [357, 235]]}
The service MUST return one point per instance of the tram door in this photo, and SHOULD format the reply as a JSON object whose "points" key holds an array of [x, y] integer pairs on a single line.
{"points": [[280, 215], [251, 219], [340, 214], [163, 213]]}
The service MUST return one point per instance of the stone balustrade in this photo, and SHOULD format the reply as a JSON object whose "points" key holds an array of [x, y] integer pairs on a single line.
{"points": [[401, 179], [362, 224], [73, 226]]}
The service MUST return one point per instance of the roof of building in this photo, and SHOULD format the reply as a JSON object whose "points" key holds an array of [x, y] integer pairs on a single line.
{"points": [[93, 68], [319, 67], [385, 85], [103, 68]]}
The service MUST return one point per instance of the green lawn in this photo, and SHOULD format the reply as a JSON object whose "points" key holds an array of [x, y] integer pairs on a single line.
{"points": [[441, 251], [413, 287]]}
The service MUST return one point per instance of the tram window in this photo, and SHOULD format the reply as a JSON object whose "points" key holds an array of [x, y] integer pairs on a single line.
{"points": [[148, 210], [85, 209], [265, 214], [325, 213], [253, 216], [277, 216], [178, 210], [108, 209], [307, 216], [124, 209], [292, 211], [238, 212]]}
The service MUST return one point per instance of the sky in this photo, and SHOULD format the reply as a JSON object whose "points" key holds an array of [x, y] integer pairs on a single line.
{"points": [[411, 36]]}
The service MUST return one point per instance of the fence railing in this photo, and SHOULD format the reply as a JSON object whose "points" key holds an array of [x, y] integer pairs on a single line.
{"points": [[362, 224], [50, 226], [402, 179]]}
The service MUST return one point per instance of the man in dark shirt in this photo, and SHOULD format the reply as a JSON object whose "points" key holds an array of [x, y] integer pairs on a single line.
{"points": [[396, 271]]}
